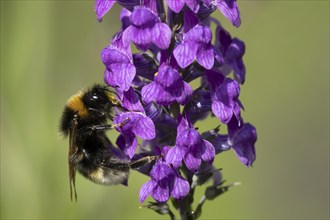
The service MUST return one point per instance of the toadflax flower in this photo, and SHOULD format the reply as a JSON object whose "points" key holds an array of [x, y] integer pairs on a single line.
{"points": [[242, 139], [117, 57], [165, 182], [224, 94], [196, 45], [136, 123], [147, 29], [178, 75], [233, 50], [167, 87], [190, 147]]}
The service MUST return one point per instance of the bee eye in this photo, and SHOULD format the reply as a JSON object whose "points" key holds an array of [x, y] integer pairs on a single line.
{"points": [[94, 97]]}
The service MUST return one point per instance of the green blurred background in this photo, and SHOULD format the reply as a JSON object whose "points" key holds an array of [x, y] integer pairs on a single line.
{"points": [[51, 49]]}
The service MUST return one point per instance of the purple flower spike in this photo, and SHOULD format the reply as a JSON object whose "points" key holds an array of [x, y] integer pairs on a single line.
{"points": [[191, 148], [177, 5], [159, 107], [225, 103], [196, 45], [147, 29], [167, 88], [101, 7], [243, 144], [118, 60]]}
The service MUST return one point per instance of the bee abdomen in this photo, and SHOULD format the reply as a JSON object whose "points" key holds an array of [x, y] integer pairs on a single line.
{"points": [[104, 175]]}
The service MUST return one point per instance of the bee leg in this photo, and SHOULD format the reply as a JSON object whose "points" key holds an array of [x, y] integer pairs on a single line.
{"points": [[121, 123], [101, 127], [143, 161], [88, 129], [98, 111]]}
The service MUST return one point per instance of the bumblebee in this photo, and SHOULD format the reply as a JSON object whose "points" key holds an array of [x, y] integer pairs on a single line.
{"points": [[85, 120]]}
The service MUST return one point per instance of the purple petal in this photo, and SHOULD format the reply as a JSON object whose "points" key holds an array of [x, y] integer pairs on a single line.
{"points": [[127, 38], [190, 20], [122, 68], [237, 111], [205, 56], [193, 5], [150, 4], [175, 156], [186, 94], [149, 92], [209, 152], [124, 17], [228, 92], [245, 153], [127, 143], [109, 78], [113, 54], [180, 188], [233, 126], [183, 125], [167, 76], [192, 162], [235, 50], [155, 92], [234, 56], [190, 139], [185, 53], [143, 17], [223, 39], [137, 123], [199, 34], [175, 5], [223, 112], [161, 172], [230, 10], [144, 128], [127, 119], [161, 194], [161, 35], [131, 101], [101, 7], [146, 190], [239, 71], [141, 36], [215, 79], [218, 56], [124, 74], [243, 144], [169, 87]]}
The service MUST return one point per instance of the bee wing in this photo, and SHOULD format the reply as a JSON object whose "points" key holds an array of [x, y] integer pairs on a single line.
{"points": [[71, 156]]}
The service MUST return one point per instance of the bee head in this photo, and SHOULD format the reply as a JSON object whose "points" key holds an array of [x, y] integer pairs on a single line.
{"points": [[100, 98]]}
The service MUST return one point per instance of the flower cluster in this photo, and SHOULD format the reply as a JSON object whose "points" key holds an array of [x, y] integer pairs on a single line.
{"points": [[176, 46]]}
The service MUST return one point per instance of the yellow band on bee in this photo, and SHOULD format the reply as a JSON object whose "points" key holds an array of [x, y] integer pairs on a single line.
{"points": [[76, 104]]}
